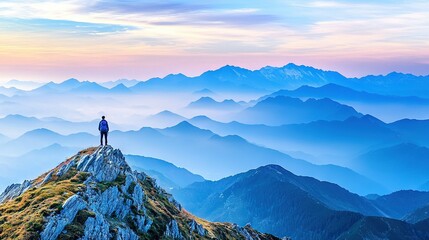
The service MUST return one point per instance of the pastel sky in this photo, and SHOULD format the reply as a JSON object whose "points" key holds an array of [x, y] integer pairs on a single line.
{"points": [[102, 40]]}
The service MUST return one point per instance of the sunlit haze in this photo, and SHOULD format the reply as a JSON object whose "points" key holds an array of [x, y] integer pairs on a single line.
{"points": [[107, 40]]}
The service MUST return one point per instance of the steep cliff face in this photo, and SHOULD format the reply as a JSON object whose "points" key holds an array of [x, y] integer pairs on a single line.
{"points": [[96, 195]]}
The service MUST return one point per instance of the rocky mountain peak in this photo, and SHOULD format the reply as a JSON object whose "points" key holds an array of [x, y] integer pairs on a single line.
{"points": [[96, 195]]}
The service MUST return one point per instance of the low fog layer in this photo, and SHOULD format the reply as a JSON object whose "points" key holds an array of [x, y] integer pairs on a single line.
{"points": [[231, 120]]}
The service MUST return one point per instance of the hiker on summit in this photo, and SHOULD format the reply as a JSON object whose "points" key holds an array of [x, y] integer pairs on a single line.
{"points": [[103, 127]]}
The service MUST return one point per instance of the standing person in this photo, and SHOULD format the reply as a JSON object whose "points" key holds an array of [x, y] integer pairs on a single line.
{"points": [[103, 127]]}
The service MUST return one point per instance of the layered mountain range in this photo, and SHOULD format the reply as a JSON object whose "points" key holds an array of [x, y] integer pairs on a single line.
{"points": [[273, 199], [293, 151], [233, 78]]}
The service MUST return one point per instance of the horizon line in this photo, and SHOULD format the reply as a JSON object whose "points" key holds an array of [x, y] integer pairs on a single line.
{"points": [[3, 81]]}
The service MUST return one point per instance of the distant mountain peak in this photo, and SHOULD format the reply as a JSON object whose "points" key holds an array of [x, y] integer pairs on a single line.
{"points": [[282, 109], [274, 167], [40, 132], [205, 91], [333, 86], [200, 117], [120, 85], [71, 80], [230, 70], [206, 99], [290, 65], [203, 101], [184, 125], [175, 75], [299, 67], [71, 83], [120, 88], [210, 103], [187, 130], [303, 87], [18, 117], [167, 114], [228, 66], [297, 205], [397, 74], [282, 99], [276, 171]]}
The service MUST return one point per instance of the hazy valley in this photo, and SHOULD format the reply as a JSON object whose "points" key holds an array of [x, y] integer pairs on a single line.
{"points": [[285, 149]]}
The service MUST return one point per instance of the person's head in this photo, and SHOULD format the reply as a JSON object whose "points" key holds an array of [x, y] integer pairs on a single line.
{"points": [[103, 117]]}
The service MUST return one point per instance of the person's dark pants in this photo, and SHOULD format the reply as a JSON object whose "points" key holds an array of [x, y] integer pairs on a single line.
{"points": [[101, 138]]}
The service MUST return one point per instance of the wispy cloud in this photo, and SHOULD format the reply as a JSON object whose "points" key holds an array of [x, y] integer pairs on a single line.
{"points": [[239, 18], [61, 26], [148, 7], [182, 13], [227, 19], [114, 31]]}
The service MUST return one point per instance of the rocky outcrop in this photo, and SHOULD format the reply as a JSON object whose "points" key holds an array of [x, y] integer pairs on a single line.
{"points": [[126, 234], [14, 190], [107, 167], [243, 231], [65, 168], [143, 223], [198, 228], [104, 165], [105, 200], [175, 203], [173, 231], [111, 202], [96, 228], [46, 179], [56, 223]]}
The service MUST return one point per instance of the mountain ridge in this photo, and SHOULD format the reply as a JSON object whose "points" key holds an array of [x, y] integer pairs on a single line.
{"points": [[338, 93], [285, 204], [281, 110], [268, 78]]}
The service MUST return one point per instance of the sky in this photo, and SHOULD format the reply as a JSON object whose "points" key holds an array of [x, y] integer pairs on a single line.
{"points": [[104, 40]]}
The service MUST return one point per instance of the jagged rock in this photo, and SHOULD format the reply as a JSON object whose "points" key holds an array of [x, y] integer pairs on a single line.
{"points": [[246, 234], [109, 202], [135, 190], [138, 197], [143, 223], [198, 228], [105, 164], [46, 179], [173, 231], [141, 176], [129, 179], [175, 203], [65, 168], [126, 234], [96, 228], [56, 223], [113, 202], [15, 190], [85, 162]]}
